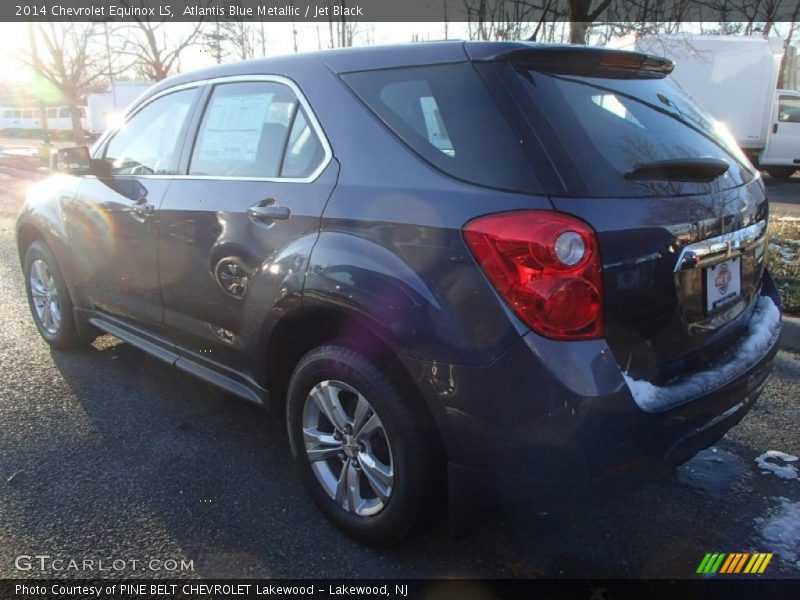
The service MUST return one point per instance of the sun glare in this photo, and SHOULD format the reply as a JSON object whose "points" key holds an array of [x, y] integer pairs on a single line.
{"points": [[13, 42]]}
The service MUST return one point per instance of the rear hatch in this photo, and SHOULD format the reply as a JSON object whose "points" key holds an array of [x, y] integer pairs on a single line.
{"points": [[679, 211]]}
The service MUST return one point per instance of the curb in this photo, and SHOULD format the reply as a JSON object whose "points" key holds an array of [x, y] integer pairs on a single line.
{"points": [[790, 334]]}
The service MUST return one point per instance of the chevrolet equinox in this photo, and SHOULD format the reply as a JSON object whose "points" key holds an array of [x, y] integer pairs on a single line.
{"points": [[481, 272]]}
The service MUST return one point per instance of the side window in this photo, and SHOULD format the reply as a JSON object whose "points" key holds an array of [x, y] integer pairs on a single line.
{"points": [[147, 143], [446, 114], [304, 151], [254, 129], [414, 103], [789, 109]]}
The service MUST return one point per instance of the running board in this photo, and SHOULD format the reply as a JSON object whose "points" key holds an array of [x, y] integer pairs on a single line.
{"points": [[251, 393]]}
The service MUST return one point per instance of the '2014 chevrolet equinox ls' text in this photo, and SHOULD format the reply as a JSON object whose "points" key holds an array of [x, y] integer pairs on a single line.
{"points": [[474, 271]]}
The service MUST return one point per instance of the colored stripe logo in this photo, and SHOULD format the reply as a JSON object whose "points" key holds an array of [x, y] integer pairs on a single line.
{"points": [[734, 562]]}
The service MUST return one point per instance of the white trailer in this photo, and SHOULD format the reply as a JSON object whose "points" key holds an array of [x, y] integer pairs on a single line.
{"points": [[28, 121], [735, 78], [107, 106]]}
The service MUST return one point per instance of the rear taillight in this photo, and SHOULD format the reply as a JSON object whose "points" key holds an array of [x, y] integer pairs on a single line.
{"points": [[546, 266]]}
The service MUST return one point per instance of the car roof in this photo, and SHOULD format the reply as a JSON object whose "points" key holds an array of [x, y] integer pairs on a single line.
{"points": [[363, 58], [342, 60]]}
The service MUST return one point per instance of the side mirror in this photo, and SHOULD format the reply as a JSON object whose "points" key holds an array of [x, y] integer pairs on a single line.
{"points": [[70, 160], [77, 161]]}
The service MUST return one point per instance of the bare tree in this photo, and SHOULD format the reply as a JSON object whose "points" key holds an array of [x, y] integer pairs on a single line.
{"points": [[155, 54], [787, 44], [213, 40], [480, 18], [262, 37], [544, 29], [240, 36], [342, 29], [642, 17], [294, 32], [582, 13], [510, 19], [68, 60], [35, 61]]}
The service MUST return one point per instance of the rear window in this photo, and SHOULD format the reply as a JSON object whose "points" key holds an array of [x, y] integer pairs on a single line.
{"points": [[608, 127], [446, 115]]}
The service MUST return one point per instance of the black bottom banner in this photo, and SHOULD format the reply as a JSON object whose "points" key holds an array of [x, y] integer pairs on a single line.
{"points": [[428, 589]]}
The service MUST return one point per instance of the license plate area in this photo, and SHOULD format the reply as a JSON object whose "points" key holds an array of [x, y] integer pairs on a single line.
{"points": [[723, 284]]}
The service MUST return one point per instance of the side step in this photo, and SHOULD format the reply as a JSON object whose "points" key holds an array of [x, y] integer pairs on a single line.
{"points": [[172, 356]]}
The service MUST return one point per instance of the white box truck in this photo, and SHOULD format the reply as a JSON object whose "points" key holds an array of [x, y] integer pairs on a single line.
{"points": [[105, 107], [735, 78]]}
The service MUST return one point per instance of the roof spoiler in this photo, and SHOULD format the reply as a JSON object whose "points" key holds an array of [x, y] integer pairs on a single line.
{"points": [[579, 60]]}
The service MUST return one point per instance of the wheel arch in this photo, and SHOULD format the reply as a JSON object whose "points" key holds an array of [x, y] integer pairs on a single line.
{"points": [[308, 327], [27, 233]]}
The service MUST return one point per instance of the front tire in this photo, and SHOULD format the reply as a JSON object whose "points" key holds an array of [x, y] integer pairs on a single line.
{"points": [[49, 299], [366, 453]]}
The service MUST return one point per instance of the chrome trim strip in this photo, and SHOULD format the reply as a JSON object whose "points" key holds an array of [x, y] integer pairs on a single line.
{"points": [[312, 118], [719, 248]]}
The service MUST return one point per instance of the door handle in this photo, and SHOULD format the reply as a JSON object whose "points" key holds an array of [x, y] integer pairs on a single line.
{"points": [[268, 212], [142, 208], [774, 128]]}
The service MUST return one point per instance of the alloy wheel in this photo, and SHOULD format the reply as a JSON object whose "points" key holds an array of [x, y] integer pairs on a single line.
{"points": [[45, 296], [348, 448]]}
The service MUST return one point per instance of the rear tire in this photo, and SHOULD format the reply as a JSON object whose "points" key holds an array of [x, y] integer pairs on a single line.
{"points": [[49, 299], [781, 172], [376, 487]]}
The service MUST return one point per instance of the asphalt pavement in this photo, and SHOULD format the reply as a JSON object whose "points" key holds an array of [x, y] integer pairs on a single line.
{"points": [[107, 454]]}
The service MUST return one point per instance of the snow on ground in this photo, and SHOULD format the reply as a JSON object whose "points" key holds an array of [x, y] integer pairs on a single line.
{"points": [[771, 462], [780, 529], [787, 254], [762, 332]]}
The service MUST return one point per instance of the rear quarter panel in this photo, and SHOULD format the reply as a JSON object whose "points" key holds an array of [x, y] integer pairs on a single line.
{"points": [[390, 248]]}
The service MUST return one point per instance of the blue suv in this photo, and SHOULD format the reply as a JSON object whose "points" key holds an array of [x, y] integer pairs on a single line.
{"points": [[481, 272]]}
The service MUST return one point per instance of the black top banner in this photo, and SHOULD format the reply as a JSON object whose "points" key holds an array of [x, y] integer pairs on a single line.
{"points": [[749, 11]]}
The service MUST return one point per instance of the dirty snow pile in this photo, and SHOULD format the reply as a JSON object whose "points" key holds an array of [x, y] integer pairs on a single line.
{"points": [[769, 461], [761, 333]]}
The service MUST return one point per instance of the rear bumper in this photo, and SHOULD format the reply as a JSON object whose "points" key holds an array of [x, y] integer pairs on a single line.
{"points": [[550, 421]]}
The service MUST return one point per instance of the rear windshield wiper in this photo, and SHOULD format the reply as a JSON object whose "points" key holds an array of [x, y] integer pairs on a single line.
{"points": [[697, 170]]}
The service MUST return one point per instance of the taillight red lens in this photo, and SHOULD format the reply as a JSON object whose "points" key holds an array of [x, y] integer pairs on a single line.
{"points": [[519, 252]]}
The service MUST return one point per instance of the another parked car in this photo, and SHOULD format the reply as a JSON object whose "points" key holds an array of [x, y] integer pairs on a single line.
{"points": [[481, 272]]}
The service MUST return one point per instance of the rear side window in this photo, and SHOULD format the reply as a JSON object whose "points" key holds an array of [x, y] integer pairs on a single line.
{"points": [[611, 127], [446, 114], [255, 129], [304, 151]]}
